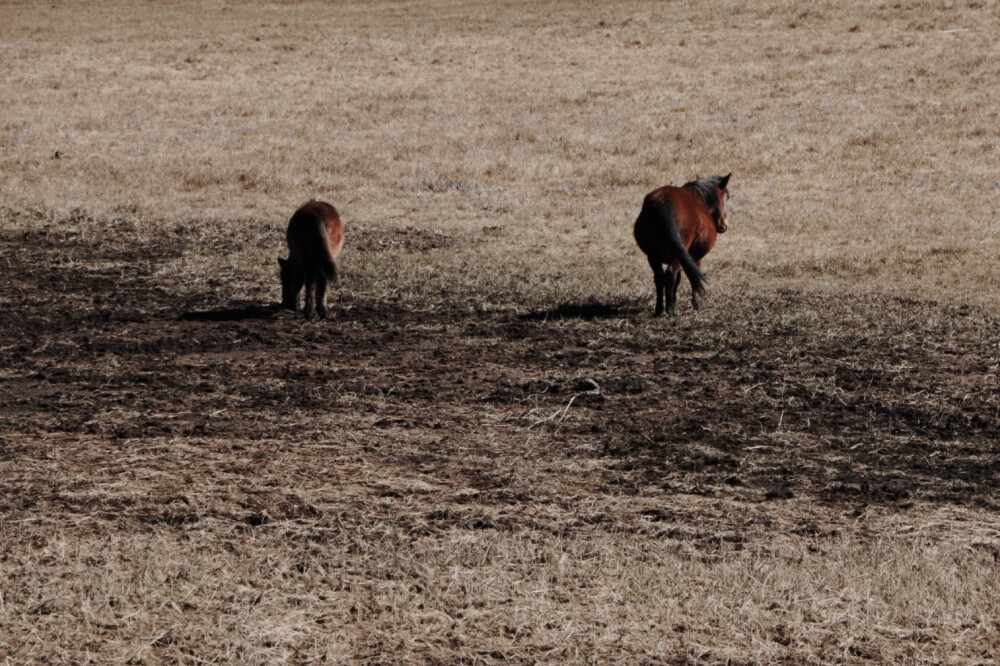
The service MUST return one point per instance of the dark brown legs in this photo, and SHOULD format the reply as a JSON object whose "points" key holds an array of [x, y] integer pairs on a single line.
{"points": [[668, 281], [310, 300], [658, 276], [321, 298], [316, 298], [694, 293], [292, 281]]}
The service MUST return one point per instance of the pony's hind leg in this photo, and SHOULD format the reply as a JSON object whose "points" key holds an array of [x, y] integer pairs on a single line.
{"points": [[694, 292], [670, 281], [657, 267], [321, 297], [310, 299]]}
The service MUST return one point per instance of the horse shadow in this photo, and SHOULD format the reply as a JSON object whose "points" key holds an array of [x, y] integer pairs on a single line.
{"points": [[249, 311], [585, 311]]}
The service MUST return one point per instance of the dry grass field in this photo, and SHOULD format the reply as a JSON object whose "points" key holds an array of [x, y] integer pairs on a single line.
{"points": [[492, 451]]}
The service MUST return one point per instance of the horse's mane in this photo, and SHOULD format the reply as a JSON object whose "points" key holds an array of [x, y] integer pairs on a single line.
{"points": [[707, 189]]}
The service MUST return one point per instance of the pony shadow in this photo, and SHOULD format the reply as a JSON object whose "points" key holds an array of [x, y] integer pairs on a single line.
{"points": [[585, 311], [232, 314]]}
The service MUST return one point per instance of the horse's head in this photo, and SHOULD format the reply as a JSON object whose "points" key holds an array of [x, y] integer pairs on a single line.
{"points": [[713, 192], [720, 213]]}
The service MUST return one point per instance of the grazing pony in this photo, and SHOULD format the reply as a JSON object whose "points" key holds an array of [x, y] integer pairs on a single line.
{"points": [[677, 227], [315, 238]]}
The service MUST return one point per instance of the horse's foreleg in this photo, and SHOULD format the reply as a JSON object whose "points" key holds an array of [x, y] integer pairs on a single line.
{"points": [[658, 283]]}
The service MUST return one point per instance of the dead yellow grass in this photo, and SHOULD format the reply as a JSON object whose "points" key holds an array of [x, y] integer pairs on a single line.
{"points": [[863, 137], [299, 590], [492, 157]]}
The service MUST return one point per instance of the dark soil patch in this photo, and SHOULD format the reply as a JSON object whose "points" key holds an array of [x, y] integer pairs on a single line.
{"points": [[95, 350]]}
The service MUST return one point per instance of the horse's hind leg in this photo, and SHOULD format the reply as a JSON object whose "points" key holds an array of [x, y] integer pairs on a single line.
{"points": [[670, 282], [694, 293], [321, 297], [657, 267], [310, 298]]}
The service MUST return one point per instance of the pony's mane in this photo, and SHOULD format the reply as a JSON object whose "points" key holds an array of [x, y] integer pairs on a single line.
{"points": [[707, 189]]}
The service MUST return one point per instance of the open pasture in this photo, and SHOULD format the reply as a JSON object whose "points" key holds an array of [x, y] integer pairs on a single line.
{"points": [[491, 450]]}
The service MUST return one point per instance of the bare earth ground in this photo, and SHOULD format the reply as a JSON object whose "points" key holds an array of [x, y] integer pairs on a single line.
{"points": [[286, 478], [492, 452]]}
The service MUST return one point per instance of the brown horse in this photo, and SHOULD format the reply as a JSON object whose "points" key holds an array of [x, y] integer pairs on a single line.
{"points": [[677, 227], [315, 238]]}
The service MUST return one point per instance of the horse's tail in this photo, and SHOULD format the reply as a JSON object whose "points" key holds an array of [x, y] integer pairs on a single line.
{"points": [[326, 262], [667, 216]]}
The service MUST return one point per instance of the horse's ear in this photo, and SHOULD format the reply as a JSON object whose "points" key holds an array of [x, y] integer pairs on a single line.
{"points": [[281, 262], [725, 181]]}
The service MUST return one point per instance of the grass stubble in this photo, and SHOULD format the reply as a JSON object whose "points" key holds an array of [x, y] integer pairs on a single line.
{"points": [[803, 471]]}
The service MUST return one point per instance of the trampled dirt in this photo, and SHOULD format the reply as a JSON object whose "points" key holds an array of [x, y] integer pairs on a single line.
{"points": [[491, 451], [109, 375]]}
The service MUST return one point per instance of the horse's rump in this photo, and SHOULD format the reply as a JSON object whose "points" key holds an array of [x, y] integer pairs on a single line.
{"points": [[315, 238], [660, 232]]}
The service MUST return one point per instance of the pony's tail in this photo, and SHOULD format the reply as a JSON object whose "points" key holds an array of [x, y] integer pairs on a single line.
{"points": [[326, 262], [668, 217], [328, 266]]}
